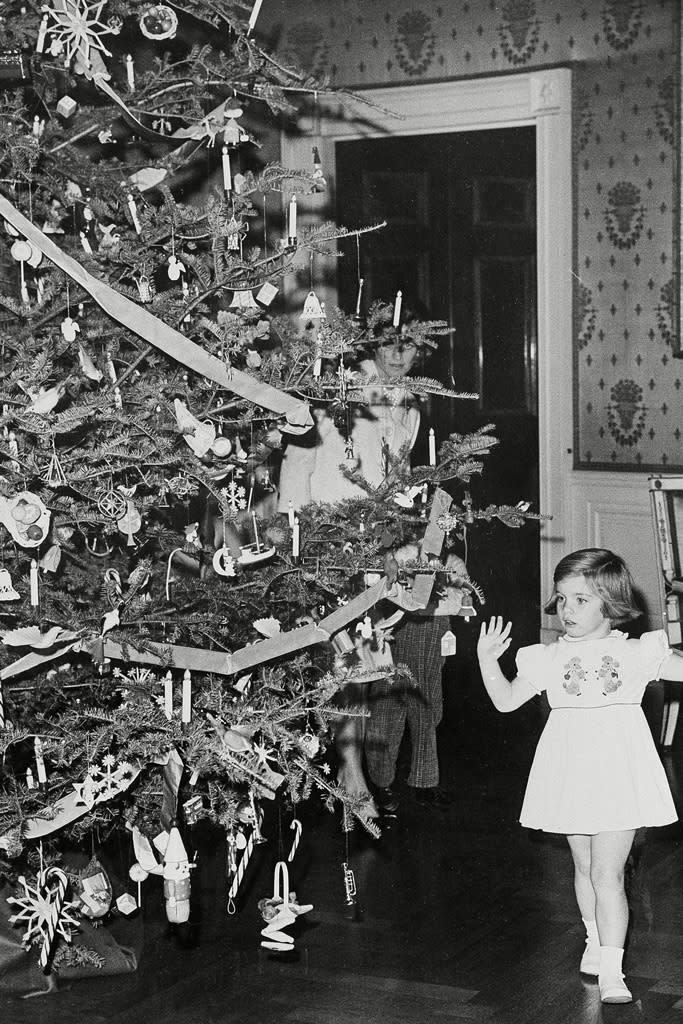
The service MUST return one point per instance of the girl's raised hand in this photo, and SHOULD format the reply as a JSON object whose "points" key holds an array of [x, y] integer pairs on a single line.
{"points": [[494, 638]]}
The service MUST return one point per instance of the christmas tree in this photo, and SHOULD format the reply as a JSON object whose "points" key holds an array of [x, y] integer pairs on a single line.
{"points": [[163, 627]]}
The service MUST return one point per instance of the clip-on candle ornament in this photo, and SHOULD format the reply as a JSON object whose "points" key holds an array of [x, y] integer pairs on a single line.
{"points": [[227, 171], [133, 210], [291, 222], [168, 696], [186, 711], [397, 309], [130, 72], [42, 33], [432, 447], [33, 581], [296, 539]]}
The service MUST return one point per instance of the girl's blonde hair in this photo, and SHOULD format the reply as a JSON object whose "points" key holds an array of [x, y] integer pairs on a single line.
{"points": [[608, 576]]}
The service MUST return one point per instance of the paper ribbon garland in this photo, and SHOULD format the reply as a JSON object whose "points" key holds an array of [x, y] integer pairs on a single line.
{"points": [[224, 664], [143, 323]]}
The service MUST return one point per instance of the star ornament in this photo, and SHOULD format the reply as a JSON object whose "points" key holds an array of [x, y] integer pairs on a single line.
{"points": [[76, 28], [37, 910]]}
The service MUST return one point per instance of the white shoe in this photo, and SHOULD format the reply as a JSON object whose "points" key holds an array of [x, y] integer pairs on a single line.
{"points": [[613, 990], [590, 961]]}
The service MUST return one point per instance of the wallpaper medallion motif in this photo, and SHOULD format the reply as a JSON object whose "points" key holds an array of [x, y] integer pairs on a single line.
{"points": [[622, 21], [414, 43], [519, 31], [626, 413]]}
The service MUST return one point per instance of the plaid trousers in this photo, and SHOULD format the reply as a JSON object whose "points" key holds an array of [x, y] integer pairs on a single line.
{"points": [[419, 704]]}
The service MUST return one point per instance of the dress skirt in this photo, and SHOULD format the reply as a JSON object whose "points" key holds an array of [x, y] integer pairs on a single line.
{"points": [[596, 770]]}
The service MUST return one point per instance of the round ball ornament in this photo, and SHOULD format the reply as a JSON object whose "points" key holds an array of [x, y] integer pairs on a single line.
{"points": [[159, 22]]}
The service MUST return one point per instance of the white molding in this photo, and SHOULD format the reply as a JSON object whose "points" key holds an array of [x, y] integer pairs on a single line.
{"points": [[612, 510], [539, 98]]}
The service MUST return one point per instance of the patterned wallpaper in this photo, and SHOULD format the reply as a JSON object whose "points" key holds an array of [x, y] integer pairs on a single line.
{"points": [[624, 56]]}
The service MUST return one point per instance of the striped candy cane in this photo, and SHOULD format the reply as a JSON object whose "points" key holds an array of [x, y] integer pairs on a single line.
{"points": [[57, 898], [239, 874], [296, 824]]}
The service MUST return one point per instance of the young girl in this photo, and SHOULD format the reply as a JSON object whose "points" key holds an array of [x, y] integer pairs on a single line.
{"points": [[596, 775]]}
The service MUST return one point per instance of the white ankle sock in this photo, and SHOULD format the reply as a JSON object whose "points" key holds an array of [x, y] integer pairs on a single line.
{"points": [[610, 961], [591, 932]]}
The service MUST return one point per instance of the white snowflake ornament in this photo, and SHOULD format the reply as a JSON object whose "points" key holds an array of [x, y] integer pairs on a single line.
{"points": [[235, 497], [77, 31], [42, 909]]}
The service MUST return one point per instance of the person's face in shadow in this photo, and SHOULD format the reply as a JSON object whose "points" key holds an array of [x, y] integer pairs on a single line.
{"points": [[396, 358]]}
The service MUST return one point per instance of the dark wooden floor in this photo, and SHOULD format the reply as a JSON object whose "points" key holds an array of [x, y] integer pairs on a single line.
{"points": [[465, 917]]}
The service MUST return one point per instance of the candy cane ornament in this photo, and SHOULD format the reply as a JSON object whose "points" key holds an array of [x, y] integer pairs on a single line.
{"points": [[296, 825], [58, 898], [239, 874]]}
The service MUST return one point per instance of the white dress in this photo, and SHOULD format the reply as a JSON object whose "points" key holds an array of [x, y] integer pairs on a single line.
{"points": [[596, 768]]}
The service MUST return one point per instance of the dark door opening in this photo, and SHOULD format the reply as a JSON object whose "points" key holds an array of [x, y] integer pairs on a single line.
{"points": [[460, 244]]}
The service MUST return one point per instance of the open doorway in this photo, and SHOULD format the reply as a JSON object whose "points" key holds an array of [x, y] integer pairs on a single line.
{"points": [[538, 99], [460, 244]]}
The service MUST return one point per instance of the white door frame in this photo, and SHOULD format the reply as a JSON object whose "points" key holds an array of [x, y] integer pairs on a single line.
{"points": [[538, 98]]}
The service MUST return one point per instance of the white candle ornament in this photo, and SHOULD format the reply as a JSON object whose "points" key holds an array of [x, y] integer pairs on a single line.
{"points": [[13, 446], [42, 32], [397, 308], [295, 538], [432, 447], [291, 230], [134, 213], [168, 695], [130, 72], [186, 711], [227, 172], [33, 580]]}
